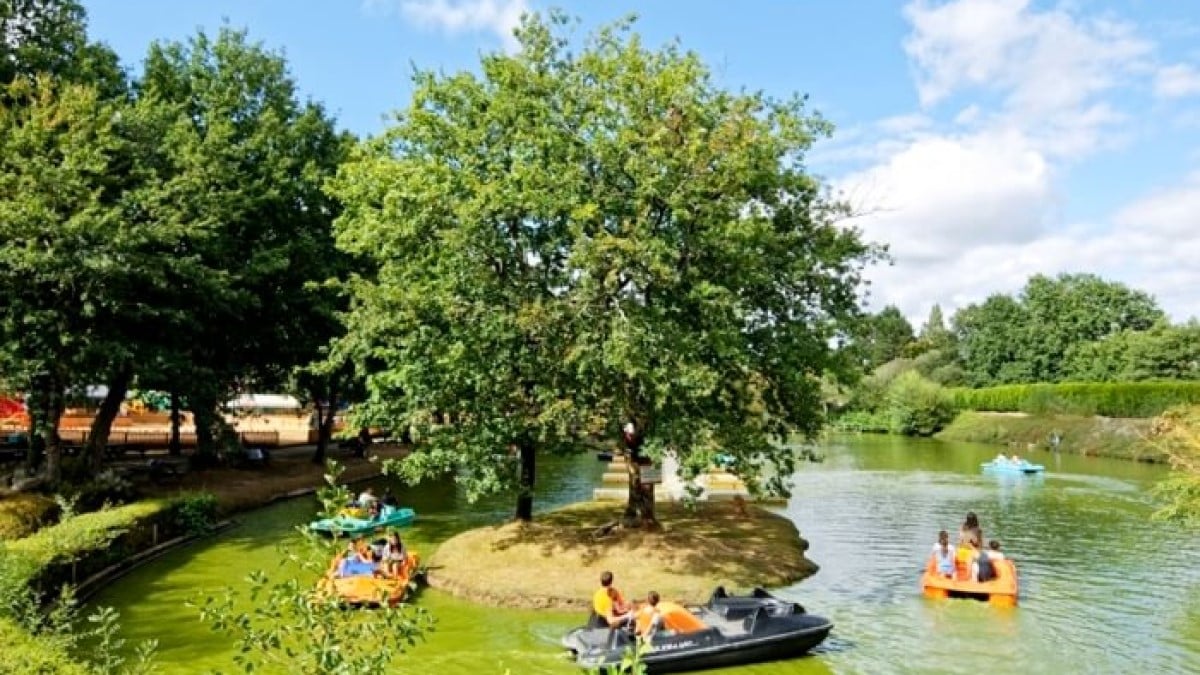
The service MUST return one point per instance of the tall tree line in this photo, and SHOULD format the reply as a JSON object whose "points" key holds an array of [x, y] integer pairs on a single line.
{"points": [[1073, 327], [166, 229]]}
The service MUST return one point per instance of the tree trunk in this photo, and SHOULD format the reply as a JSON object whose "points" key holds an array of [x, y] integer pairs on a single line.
{"points": [[175, 447], [97, 443], [204, 415], [49, 432], [35, 406], [528, 464], [639, 506], [325, 417]]}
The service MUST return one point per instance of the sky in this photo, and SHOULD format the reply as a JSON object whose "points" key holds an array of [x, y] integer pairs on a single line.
{"points": [[982, 140]]}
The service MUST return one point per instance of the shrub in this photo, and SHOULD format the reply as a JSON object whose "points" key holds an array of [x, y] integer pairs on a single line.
{"points": [[1177, 434], [1111, 399], [916, 406], [196, 513], [36, 655], [107, 487], [21, 514], [72, 550]]}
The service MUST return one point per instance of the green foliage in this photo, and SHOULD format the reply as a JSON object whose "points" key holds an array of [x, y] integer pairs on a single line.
{"points": [[35, 655], [22, 514], [1029, 338], [865, 421], [916, 406], [50, 37], [1118, 399], [888, 335], [1177, 434], [1163, 352], [196, 513], [610, 223]]}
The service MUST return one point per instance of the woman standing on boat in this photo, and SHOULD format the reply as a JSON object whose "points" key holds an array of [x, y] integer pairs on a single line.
{"points": [[970, 532]]}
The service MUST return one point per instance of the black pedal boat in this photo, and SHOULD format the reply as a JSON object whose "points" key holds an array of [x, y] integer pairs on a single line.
{"points": [[738, 629]]}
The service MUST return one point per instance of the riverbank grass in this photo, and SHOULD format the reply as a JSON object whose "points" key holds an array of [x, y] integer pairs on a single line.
{"points": [[556, 561], [1121, 438]]}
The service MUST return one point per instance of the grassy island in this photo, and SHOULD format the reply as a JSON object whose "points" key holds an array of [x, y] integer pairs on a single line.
{"points": [[556, 560]]}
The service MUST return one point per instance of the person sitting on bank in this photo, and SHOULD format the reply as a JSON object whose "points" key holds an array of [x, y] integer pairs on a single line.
{"points": [[609, 604], [982, 568], [943, 555]]}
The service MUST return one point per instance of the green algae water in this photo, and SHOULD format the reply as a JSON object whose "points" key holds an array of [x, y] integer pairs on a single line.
{"points": [[1103, 588]]}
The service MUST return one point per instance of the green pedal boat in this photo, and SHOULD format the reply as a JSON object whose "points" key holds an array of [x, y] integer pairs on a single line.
{"points": [[347, 524]]}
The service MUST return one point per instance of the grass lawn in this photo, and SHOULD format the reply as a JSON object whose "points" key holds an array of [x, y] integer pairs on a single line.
{"points": [[556, 560], [1122, 438]]}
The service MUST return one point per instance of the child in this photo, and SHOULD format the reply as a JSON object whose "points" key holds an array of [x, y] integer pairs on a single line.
{"points": [[943, 555]]}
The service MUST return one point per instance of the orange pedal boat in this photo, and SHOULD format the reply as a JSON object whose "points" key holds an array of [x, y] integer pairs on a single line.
{"points": [[362, 588], [1000, 592]]}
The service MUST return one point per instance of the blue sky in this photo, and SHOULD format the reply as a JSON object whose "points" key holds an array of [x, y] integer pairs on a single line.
{"points": [[983, 140]]}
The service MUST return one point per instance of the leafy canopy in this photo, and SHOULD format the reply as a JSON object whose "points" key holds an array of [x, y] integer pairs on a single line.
{"points": [[576, 239]]}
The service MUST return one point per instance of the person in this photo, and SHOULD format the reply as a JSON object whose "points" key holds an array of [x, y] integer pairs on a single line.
{"points": [[943, 555], [970, 531], [364, 442], [1000, 460], [1016, 461], [394, 555], [994, 551], [982, 569], [367, 498], [649, 619], [389, 499], [374, 510], [609, 604]]}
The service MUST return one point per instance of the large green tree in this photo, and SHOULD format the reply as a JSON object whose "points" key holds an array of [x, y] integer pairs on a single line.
{"points": [[49, 37], [887, 335], [1029, 338], [1164, 352], [1072, 309], [61, 244], [246, 159], [601, 233]]}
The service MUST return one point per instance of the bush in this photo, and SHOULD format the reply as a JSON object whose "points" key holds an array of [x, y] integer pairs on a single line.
{"points": [[916, 406], [1110, 399], [863, 421], [197, 513], [107, 487], [21, 514], [40, 655], [75, 549]]}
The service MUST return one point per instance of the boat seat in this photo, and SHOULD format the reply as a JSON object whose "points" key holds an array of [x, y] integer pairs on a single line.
{"points": [[753, 621]]}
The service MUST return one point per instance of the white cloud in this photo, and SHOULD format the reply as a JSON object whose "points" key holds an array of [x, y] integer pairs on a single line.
{"points": [[1047, 66], [1176, 81], [1171, 212], [498, 17], [942, 195], [970, 206]]}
